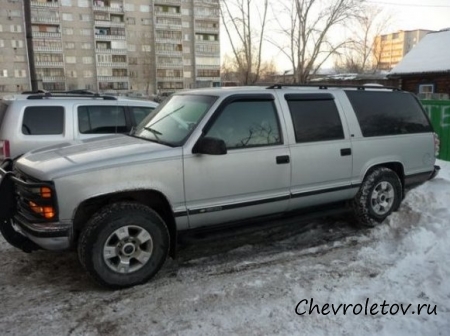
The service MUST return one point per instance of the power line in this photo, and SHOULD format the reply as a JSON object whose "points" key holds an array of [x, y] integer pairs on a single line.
{"points": [[408, 4]]}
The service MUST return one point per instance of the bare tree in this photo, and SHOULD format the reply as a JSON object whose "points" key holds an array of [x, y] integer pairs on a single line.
{"points": [[306, 25], [245, 35], [363, 52]]}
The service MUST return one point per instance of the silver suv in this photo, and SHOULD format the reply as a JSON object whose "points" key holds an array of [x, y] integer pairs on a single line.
{"points": [[217, 156], [31, 121]]}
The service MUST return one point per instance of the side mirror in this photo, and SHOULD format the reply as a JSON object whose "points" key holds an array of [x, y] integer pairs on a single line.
{"points": [[211, 146]]}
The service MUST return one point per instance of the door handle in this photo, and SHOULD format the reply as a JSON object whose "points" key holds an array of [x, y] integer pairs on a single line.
{"points": [[346, 151], [282, 159]]}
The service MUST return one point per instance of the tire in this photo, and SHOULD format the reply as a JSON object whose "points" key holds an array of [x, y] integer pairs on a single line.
{"points": [[123, 245], [15, 238], [379, 195]]}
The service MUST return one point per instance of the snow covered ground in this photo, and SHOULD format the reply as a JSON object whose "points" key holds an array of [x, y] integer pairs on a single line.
{"points": [[249, 282]]}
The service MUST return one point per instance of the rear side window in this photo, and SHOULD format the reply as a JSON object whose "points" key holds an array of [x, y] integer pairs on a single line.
{"points": [[388, 113], [315, 117], [101, 119], [140, 112], [43, 120]]}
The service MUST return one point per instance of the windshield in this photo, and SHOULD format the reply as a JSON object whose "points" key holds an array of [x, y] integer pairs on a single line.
{"points": [[173, 121]]}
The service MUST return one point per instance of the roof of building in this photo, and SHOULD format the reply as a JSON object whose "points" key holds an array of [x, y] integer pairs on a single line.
{"points": [[432, 54]]}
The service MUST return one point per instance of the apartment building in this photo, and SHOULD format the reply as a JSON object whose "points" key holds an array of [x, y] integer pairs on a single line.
{"points": [[390, 48], [121, 45]]}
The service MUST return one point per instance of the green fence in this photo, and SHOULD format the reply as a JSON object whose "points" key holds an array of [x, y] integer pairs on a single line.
{"points": [[439, 113]]}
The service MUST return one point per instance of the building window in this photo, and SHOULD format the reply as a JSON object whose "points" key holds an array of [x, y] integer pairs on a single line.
{"points": [[17, 43], [426, 88], [88, 74], [83, 3], [131, 21], [86, 45], [16, 29], [146, 22], [87, 60], [129, 7], [20, 73], [86, 32], [67, 3], [144, 8], [72, 74], [67, 17], [4, 73], [146, 47], [69, 45], [71, 59], [68, 31], [85, 17]]}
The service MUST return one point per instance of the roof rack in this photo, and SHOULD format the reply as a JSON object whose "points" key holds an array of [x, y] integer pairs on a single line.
{"points": [[326, 86], [70, 95]]}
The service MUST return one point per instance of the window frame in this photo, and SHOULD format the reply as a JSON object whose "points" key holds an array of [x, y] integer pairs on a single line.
{"points": [[246, 98]]}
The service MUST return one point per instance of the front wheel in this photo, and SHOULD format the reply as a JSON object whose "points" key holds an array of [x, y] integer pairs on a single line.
{"points": [[380, 194], [123, 245]]}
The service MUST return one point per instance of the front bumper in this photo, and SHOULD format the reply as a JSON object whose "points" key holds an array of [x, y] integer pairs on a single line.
{"points": [[49, 236], [435, 172]]}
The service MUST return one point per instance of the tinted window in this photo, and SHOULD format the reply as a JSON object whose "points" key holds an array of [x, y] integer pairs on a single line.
{"points": [[101, 119], [43, 120], [140, 112], [247, 124], [388, 113], [315, 119]]}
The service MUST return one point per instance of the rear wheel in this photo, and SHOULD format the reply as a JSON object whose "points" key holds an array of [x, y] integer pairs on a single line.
{"points": [[380, 194], [123, 245]]}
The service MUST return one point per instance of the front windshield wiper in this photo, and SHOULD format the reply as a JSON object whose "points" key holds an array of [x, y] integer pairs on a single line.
{"points": [[153, 131]]}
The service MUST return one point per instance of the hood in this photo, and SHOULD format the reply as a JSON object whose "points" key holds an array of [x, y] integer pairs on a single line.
{"points": [[76, 157]]}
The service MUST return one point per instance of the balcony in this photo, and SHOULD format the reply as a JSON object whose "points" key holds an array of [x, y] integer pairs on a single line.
{"points": [[109, 37], [167, 14], [44, 4], [118, 9], [46, 35], [169, 79], [57, 49], [168, 26], [169, 40], [109, 23], [113, 64], [169, 66], [111, 79], [169, 53], [207, 30], [49, 64], [42, 19], [53, 79], [111, 51], [167, 2]]}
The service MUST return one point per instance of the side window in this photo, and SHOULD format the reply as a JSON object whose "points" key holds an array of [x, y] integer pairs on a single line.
{"points": [[315, 118], [43, 120], [101, 119], [388, 113], [247, 124], [140, 112]]}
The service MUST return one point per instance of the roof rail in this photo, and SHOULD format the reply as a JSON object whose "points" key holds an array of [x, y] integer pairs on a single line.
{"points": [[326, 86], [69, 95]]}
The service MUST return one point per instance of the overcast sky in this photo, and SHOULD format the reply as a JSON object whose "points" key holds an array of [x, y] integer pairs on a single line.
{"points": [[407, 15]]}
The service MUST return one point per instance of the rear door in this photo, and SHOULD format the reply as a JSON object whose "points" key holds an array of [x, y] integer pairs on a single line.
{"points": [[320, 149]]}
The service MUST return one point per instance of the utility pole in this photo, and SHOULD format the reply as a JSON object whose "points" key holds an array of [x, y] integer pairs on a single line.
{"points": [[30, 49]]}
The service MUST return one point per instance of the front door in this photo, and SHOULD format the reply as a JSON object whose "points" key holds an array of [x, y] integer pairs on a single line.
{"points": [[253, 178]]}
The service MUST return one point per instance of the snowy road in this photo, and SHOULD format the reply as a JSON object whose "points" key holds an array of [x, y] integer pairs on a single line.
{"points": [[249, 282]]}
